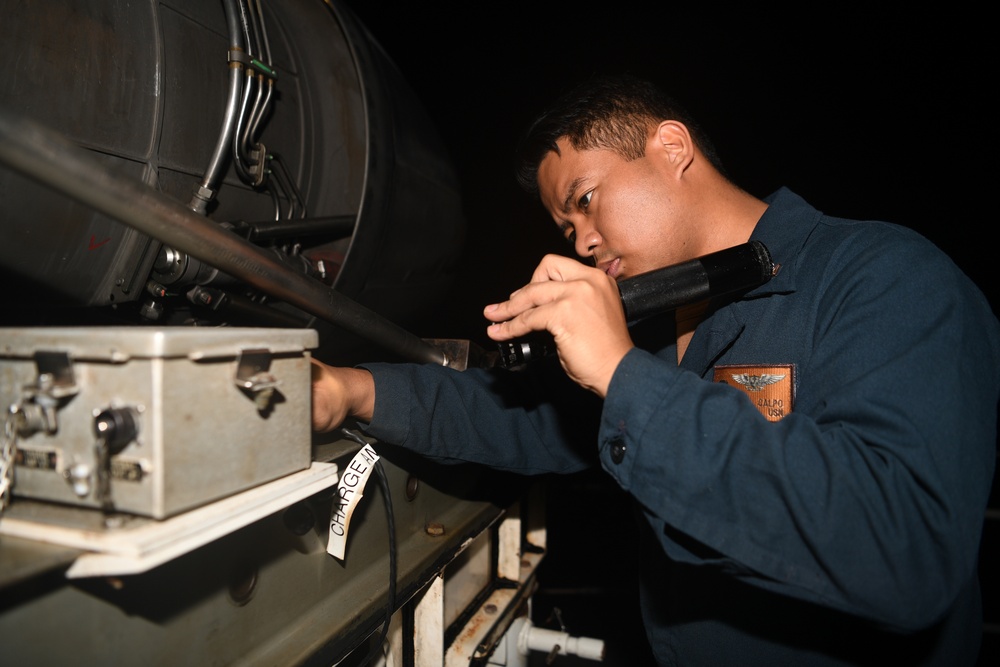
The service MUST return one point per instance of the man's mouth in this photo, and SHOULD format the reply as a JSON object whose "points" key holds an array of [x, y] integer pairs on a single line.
{"points": [[612, 268]]}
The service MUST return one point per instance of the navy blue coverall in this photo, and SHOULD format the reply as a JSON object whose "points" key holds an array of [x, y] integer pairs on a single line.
{"points": [[835, 521]]}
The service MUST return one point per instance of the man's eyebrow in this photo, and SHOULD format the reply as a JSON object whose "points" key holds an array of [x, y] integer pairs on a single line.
{"points": [[570, 191]]}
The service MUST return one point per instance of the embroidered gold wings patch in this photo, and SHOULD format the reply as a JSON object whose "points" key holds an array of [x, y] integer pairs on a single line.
{"points": [[770, 388]]}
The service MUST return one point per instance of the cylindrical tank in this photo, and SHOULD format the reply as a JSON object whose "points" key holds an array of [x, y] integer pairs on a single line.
{"points": [[359, 191]]}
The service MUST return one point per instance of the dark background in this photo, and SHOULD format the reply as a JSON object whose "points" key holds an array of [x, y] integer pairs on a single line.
{"points": [[867, 113]]}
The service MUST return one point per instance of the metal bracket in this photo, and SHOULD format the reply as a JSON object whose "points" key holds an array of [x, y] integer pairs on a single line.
{"points": [[252, 376], [55, 382]]}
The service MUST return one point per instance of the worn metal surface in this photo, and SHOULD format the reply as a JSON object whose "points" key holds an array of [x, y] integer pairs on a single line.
{"points": [[200, 436], [142, 87], [114, 108], [266, 595]]}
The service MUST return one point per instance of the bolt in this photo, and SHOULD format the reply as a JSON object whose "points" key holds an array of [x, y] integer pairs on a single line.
{"points": [[242, 584], [434, 529]]}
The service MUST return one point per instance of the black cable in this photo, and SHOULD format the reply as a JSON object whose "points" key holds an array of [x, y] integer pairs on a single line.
{"points": [[391, 522], [391, 602]]}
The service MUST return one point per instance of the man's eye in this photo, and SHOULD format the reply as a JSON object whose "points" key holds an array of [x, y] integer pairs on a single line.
{"points": [[568, 232], [585, 200]]}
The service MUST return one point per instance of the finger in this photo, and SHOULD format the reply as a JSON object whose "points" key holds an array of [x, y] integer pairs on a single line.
{"points": [[559, 268], [515, 328], [527, 298]]}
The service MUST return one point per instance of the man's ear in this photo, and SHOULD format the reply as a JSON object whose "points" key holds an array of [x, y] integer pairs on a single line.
{"points": [[674, 142]]}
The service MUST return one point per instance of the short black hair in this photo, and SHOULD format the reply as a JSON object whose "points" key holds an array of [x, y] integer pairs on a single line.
{"points": [[615, 112]]}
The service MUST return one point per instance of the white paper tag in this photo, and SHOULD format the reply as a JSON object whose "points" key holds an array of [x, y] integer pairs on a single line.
{"points": [[350, 489]]}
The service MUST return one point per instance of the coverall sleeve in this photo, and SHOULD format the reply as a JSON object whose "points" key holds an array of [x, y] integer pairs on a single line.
{"points": [[531, 421]]}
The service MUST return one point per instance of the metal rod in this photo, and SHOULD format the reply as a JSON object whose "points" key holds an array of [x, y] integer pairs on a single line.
{"points": [[53, 160], [339, 226]]}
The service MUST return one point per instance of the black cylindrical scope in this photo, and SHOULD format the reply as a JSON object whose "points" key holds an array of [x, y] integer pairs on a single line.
{"points": [[740, 268]]}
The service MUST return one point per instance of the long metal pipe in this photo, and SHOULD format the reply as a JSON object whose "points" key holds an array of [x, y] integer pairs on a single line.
{"points": [[213, 173], [54, 161]]}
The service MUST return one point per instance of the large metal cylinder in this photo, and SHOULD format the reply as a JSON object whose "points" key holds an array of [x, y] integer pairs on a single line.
{"points": [[145, 87]]}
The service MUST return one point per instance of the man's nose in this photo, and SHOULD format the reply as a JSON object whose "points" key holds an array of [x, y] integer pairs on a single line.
{"points": [[587, 242]]}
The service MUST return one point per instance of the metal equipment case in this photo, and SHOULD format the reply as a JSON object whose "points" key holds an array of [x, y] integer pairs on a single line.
{"points": [[201, 413]]}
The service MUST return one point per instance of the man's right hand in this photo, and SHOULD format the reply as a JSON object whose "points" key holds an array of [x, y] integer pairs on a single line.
{"points": [[339, 393], [580, 306]]}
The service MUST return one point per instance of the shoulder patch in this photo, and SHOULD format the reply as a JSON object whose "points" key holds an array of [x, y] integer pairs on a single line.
{"points": [[770, 388]]}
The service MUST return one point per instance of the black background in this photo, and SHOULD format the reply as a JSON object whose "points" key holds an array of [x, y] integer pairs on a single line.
{"points": [[867, 113]]}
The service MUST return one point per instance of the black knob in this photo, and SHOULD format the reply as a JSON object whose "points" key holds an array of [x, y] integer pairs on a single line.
{"points": [[116, 427]]}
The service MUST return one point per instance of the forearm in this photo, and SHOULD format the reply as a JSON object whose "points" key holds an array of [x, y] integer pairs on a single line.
{"points": [[531, 421]]}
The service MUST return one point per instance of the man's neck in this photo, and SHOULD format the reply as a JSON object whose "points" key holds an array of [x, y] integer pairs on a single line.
{"points": [[687, 318]]}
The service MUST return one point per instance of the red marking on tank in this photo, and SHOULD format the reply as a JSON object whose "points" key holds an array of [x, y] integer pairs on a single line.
{"points": [[94, 245]]}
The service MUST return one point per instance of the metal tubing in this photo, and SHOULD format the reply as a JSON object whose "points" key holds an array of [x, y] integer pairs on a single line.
{"points": [[213, 174], [56, 162]]}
